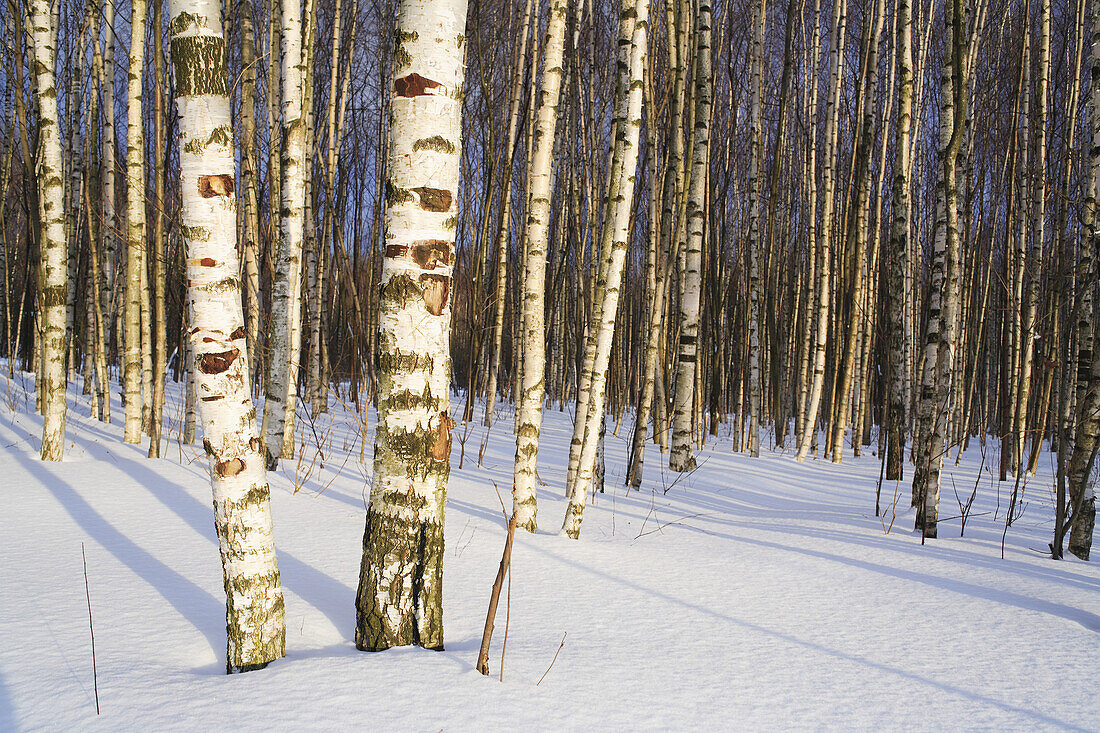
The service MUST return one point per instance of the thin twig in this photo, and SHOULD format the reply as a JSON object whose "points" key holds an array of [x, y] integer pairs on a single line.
{"points": [[91, 630], [553, 660]]}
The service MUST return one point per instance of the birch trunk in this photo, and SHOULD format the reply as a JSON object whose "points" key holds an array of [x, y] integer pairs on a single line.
{"points": [[533, 387], [400, 597], [619, 210], [759, 25], [939, 352], [682, 455], [250, 221], [823, 233], [860, 202], [135, 227], [896, 295], [516, 107], [110, 222], [52, 244], [282, 368], [255, 627], [1086, 438], [160, 320]]}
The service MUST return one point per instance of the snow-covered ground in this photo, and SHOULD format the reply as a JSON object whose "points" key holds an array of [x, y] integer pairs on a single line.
{"points": [[752, 593]]}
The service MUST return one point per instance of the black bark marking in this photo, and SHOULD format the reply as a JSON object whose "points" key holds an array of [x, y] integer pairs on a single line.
{"points": [[220, 184], [396, 251], [218, 362], [199, 63], [208, 262], [434, 199], [436, 289], [413, 85], [238, 333]]}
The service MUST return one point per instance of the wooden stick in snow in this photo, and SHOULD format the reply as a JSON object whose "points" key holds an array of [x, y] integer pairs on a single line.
{"points": [[494, 598]]}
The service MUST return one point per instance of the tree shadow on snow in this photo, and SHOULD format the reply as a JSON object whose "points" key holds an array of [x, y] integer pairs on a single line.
{"points": [[811, 645], [200, 608]]}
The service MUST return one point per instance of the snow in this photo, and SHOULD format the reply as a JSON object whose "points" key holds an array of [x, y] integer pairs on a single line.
{"points": [[754, 593]]}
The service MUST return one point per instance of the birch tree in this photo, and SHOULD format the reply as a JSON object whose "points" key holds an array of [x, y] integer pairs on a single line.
{"points": [[823, 233], [280, 387], [897, 409], [54, 257], [533, 387], [135, 226], [1086, 439], [255, 626], [939, 350], [759, 21], [682, 455], [618, 213], [400, 596]]}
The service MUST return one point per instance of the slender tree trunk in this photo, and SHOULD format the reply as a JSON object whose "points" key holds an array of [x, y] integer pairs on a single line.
{"points": [[160, 320], [255, 626], [282, 370], [823, 233], [756, 146], [135, 227], [1086, 439], [896, 295], [53, 257], [936, 388], [533, 388], [516, 107], [682, 456], [618, 212]]}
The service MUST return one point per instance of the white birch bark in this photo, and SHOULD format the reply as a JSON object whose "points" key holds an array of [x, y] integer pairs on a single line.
{"points": [[897, 334], [110, 223], [681, 454], [255, 627], [1086, 438], [280, 386], [614, 181], [939, 352], [759, 19], [54, 259], [533, 387], [400, 596], [619, 210], [824, 232], [135, 227], [514, 104]]}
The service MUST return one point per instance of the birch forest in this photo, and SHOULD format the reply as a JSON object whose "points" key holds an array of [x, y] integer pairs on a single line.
{"points": [[812, 232]]}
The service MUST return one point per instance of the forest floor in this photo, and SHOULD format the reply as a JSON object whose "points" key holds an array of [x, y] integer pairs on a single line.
{"points": [[751, 593]]}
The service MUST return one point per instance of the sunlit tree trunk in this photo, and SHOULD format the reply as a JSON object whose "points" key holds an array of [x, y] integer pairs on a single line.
{"points": [[682, 455], [280, 387], [1086, 439], [159, 249], [896, 296], [250, 221], [618, 211], [255, 626], [756, 147], [53, 261], [400, 597], [532, 385], [516, 110], [943, 301], [824, 232], [135, 227]]}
